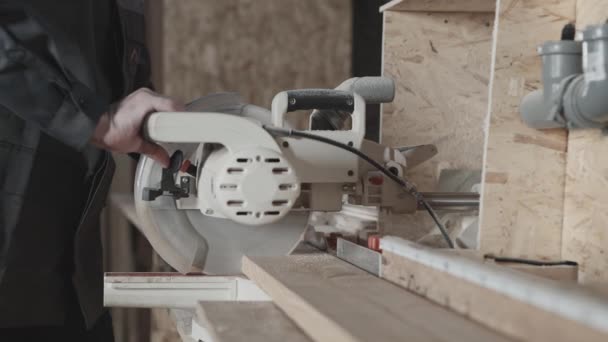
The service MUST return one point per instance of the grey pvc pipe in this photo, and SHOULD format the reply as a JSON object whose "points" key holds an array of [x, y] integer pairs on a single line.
{"points": [[575, 93], [561, 59], [586, 98], [452, 200]]}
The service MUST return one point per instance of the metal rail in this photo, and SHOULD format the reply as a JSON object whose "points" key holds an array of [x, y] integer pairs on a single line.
{"points": [[452, 200]]}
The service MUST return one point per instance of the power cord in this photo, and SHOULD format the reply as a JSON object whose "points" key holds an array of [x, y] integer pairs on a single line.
{"points": [[404, 183], [529, 261]]}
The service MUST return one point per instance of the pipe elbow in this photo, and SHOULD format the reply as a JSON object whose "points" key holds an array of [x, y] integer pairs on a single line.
{"points": [[586, 102], [541, 109], [585, 99], [536, 111]]}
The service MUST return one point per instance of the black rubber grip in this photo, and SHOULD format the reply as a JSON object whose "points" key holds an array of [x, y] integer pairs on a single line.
{"points": [[322, 99]]}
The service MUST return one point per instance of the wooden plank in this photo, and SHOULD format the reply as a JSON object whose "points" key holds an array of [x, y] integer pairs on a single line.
{"points": [[524, 170], [565, 273], [162, 326], [441, 64], [332, 300], [568, 273], [518, 304], [585, 231], [440, 5], [247, 321], [119, 251]]}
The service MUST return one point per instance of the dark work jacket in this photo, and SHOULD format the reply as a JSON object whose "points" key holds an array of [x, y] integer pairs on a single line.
{"points": [[61, 64]]}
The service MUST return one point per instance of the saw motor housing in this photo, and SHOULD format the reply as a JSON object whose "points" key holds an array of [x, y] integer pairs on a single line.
{"points": [[247, 175]]}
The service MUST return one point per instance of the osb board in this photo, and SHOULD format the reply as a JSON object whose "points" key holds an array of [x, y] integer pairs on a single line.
{"points": [[332, 300], [441, 65], [502, 313], [524, 172], [585, 232], [440, 5], [564, 273], [247, 321], [256, 48]]}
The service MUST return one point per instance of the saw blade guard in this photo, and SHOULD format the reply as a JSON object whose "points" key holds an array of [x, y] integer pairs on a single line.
{"points": [[190, 241]]}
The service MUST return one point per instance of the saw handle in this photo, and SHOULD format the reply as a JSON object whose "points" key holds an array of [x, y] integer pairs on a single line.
{"points": [[322, 99]]}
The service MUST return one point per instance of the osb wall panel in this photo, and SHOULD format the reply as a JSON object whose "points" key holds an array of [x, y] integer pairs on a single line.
{"points": [[441, 5], [585, 231], [523, 194], [441, 65], [256, 48]]}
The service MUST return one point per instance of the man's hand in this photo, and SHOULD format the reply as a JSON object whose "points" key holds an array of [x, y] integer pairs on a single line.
{"points": [[120, 130]]}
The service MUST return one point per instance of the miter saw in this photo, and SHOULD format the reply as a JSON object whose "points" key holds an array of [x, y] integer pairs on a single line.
{"points": [[242, 181]]}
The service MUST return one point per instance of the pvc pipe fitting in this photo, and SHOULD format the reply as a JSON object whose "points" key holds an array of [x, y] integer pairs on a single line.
{"points": [[561, 60], [575, 93]]}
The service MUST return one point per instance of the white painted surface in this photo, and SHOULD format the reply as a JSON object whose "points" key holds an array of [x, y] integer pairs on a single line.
{"points": [[176, 291]]}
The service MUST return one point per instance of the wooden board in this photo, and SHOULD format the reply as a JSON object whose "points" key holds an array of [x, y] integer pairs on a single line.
{"points": [[332, 300], [524, 172], [585, 232], [119, 241], [565, 273], [440, 5], [247, 321], [162, 327], [441, 64], [523, 306], [255, 48]]}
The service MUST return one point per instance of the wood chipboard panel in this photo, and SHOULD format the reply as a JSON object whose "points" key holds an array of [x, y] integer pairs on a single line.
{"points": [[441, 65], [247, 321], [524, 172], [585, 234], [256, 48], [332, 300], [440, 5]]}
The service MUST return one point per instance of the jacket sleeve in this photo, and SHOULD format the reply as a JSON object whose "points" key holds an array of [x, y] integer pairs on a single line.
{"points": [[37, 88]]}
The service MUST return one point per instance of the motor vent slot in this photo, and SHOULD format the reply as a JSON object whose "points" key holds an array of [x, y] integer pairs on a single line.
{"points": [[235, 203], [229, 187], [243, 160], [235, 170], [279, 203], [286, 187], [280, 170], [272, 160]]}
